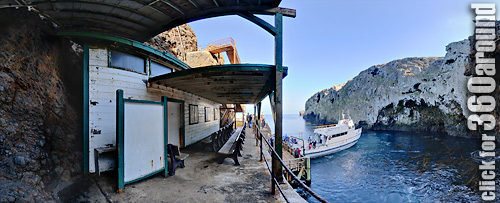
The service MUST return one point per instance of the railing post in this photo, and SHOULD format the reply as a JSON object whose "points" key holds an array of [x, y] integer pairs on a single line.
{"points": [[261, 152], [308, 170], [273, 174], [258, 122]]}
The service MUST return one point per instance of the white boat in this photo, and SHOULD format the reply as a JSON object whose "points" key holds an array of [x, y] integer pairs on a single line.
{"points": [[332, 138]]}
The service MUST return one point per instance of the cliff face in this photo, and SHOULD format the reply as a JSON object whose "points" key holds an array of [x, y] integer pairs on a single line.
{"points": [[40, 132], [181, 42], [470, 71], [410, 94], [177, 41]]}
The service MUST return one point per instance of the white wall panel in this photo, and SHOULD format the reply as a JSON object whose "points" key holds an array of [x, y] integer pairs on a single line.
{"points": [[144, 150]]}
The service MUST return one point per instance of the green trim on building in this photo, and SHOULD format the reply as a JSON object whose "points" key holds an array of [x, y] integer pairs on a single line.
{"points": [[147, 176], [142, 101], [85, 108], [129, 42], [218, 68], [183, 113], [120, 136], [165, 132], [120, 127]]}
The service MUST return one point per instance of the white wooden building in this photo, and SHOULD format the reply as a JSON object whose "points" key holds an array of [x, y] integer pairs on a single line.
{"points": [[111, 69]]}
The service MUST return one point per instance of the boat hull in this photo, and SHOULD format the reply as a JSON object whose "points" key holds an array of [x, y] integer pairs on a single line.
{"points": [[350, 140]]}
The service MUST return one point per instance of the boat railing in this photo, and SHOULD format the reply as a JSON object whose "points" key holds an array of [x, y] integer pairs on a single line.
{"points": [[325, 126], [275, 157], [296, 164]]}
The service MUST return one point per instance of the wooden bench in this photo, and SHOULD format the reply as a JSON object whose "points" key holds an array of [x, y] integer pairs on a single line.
{"points": [[176, 158], [232, 148], [210, 141], [97, 154], [216, 140]]}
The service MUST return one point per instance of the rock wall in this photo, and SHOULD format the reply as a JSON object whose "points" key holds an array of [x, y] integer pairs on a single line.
{"points": [[40, 132], [203, 58], [177, 41], [182, 43], [470, 71], [410, 94]]}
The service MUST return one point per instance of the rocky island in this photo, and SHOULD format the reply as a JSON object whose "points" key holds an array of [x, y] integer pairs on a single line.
{"points": [[410, 94]]}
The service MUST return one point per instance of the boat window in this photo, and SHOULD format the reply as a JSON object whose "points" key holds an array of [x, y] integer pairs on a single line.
{"points": [[127, 61], [159, 69]]}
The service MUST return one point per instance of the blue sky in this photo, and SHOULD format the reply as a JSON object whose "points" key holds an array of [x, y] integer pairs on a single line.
{"points": [[331, 41]]}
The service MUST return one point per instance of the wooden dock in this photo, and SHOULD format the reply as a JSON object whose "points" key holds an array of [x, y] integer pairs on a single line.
{"points": [[301, 166]]}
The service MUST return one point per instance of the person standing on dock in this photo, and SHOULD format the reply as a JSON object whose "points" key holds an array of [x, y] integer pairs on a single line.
{"points": [[248, 119]]}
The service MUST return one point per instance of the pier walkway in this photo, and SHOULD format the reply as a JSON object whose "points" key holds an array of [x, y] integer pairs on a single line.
{"points": [[202, 180]]}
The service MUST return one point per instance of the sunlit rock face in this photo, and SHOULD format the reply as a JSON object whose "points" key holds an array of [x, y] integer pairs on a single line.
{"points": [[410, 94], [177, 41]]}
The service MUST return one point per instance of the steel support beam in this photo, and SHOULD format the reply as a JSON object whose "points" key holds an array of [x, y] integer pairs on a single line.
{"points": [[258, 21]]}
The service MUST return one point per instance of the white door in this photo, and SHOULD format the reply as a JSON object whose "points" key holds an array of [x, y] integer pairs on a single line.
{"points": [[174, 123]]}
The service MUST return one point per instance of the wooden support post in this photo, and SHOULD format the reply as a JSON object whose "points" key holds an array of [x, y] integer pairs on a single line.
{"points": [[120, 127], [255, 131], [278, 96], [164, 100], [254, 114], [86, 102]]}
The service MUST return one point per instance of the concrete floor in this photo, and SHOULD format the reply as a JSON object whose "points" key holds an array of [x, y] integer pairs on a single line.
{"points": [[202, 180]]}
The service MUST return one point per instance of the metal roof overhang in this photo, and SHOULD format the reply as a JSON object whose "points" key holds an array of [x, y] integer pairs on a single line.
{"points": [[225, 84], [139, 20]]}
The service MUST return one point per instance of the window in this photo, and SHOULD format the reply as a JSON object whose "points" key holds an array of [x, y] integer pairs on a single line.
{"points": [[215, 114], [193, 114], [207, 114], [127, 61], [159, 69]]}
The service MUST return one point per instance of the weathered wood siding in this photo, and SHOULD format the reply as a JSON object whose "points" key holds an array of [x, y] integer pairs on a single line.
{"points": [[103, 83]]}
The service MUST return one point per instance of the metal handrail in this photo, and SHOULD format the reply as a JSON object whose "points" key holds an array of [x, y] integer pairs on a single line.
{"points": [[314, 194], [276, 181], [219, 42]]}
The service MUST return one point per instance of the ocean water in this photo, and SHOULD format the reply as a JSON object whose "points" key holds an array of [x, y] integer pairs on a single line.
{"points": [[393, 167]]}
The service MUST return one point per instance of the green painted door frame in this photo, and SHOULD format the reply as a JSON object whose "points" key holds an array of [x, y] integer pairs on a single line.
{"points": [[183, 119], [85, 90]]}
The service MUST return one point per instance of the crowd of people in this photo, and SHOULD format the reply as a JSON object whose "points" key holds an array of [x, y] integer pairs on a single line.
{"points": [[250, 118]]}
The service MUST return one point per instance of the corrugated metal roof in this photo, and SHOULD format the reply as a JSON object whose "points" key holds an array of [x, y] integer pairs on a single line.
{"points": [[136, 19]]}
